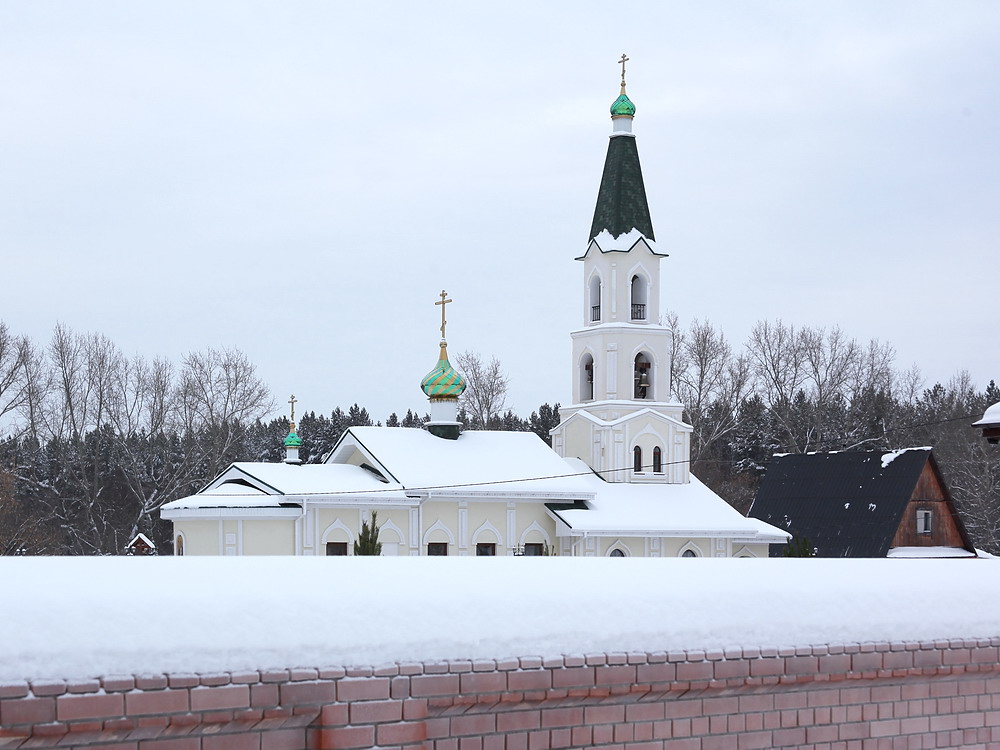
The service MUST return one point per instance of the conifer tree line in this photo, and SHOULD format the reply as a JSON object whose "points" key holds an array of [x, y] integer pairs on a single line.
{"points": [[93, 442]]}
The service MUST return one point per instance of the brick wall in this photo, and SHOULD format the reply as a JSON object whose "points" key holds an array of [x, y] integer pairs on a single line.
{"points": [[873, 695]]}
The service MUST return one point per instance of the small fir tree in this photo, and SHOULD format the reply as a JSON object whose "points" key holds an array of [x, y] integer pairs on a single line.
{"points": [[367, 542], [799, 546]]}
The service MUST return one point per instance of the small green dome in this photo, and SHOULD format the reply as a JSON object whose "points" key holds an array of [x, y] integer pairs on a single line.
{"points": [[443, 381], [623, 106], [293, 440]]}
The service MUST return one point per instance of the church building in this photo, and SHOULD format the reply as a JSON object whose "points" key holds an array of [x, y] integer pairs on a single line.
{"points": [[616, 481]]}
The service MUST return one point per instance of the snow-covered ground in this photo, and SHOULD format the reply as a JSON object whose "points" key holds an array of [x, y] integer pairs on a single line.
{"points": [[75, 617]]}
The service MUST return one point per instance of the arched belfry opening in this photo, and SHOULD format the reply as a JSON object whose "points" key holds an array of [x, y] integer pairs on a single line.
{"points": [[643, 377], [587, 378], [595, 298], [640, 290]]}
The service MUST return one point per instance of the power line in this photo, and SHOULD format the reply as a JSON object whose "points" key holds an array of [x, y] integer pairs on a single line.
{"points": [[588, 472]]}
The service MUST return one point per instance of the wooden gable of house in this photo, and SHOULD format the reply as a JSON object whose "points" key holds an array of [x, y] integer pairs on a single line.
{"points": [[931, 495]]}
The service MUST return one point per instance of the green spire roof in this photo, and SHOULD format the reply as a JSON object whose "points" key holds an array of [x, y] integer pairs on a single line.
{"points": [[621, 199], [443, 381], [623, 106]]}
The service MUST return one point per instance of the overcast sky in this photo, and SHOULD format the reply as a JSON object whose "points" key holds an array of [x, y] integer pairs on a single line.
{"points": [[299, 180]]}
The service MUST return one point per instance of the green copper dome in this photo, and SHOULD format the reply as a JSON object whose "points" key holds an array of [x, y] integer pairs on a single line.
{"points": [[443, 381], [623, 106], [293, 440]]}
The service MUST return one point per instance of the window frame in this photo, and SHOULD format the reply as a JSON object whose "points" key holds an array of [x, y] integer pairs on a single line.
{"points": [[336, 546], [925, 521], [486, 549], [438, 546]]}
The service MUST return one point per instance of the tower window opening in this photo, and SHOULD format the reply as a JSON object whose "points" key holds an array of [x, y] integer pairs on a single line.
{"points": [[637, 459], [595, 299], [657, 460], [643, 377], [587, 379], [638, 298]]}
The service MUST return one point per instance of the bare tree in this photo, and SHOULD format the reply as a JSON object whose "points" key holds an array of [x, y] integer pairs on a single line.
{"points": [[485, 396], [14, 354], [220, 389], [711, 386]]}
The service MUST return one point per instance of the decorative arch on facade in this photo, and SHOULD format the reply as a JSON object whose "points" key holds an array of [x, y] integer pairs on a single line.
{"points": [[437, 528], [744, 551], [587, 377], [594, 298], [487, 528], [392, 528], [179, 545], [639, 294], [534, 528], [691, 547], [642, 376], [336, 526], [619, 546]]}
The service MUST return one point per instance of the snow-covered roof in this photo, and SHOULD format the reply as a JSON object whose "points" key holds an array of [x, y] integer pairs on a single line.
{"points": [[321, 611], [477, 462], [922, 552], [140, 537], [689, 509], [306, 479], [273, 485], [990, 417]]}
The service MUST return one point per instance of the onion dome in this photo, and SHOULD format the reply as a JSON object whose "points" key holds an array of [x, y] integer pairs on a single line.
{"points": [[623, 106], [293, 440], [444, 381]]}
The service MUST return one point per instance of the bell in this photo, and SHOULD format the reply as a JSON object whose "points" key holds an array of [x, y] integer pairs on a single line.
{"points": [[643, 380]]}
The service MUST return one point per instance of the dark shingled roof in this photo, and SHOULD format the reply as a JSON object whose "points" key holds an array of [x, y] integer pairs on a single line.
{"points": [[845, 504], [621, 201]]}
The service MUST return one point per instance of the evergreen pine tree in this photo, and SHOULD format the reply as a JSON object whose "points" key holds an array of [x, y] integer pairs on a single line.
{"points": [[799, 546], [367, 542]]}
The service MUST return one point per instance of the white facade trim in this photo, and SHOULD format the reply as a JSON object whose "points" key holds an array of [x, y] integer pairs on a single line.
{"points": [[437, 526]]}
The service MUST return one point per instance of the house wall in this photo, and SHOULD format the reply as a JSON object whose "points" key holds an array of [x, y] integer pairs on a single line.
{"points": [[929, 494], [200, 537], [268, 537], [859, 695]]}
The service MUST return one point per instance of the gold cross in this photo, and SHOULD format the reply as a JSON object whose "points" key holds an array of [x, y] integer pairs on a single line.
{"points": [[623, 61], [444, 301], [292, 401]]}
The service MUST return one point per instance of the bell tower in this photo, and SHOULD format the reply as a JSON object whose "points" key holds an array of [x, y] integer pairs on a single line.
{"points": [[623, 421]]}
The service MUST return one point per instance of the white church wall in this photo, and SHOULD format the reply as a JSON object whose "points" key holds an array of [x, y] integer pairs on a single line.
{"points": [[268, 537], [200, 537], [440, 523]]}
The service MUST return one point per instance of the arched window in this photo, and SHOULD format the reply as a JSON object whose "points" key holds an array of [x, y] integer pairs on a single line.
{"points": [[637, 459], [657, 460], [595, 299], [689, 553], [587, 378], [638, 298], [179, 546], [643, 377], [616, 553]]}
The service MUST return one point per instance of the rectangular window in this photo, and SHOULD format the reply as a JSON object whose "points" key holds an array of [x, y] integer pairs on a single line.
{"points": [[486, 549], [336, 549], [924, 521], [437, 549], [534, 549]]}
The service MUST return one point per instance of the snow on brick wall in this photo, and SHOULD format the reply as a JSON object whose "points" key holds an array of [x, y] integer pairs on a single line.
{"points": [[70, 618], [890, 694]]}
